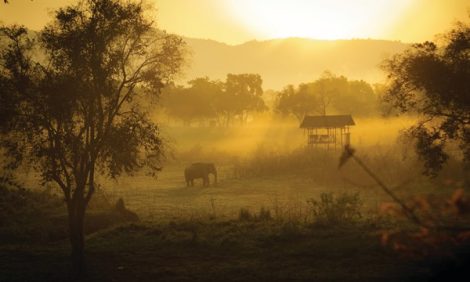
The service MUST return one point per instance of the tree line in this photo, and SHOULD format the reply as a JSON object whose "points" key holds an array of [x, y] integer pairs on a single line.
{"points": [[220, 103], [329, 94], [240, 97]]}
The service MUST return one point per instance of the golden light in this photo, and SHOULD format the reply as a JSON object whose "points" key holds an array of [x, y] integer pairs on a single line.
{"points": [[320, 19]]}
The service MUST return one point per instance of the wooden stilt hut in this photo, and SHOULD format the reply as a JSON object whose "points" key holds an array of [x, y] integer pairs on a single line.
{"points": [[329, 131]]}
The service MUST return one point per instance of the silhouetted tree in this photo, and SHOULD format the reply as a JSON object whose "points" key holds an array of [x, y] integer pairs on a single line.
{"points": [[327, 89], [357, 97], [297, 102], [205, 93], [237, 97], [177, 103], [328, 93], [243, 95], [77, 110], [197, 102], [434, 82]]}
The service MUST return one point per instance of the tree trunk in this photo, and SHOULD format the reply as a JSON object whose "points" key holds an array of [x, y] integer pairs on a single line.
{"points": [[76, 213]]}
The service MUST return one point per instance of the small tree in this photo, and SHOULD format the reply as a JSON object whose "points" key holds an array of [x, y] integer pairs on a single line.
{"points": [[434, 82], [297, 102], [77, 109], [243, 94]]}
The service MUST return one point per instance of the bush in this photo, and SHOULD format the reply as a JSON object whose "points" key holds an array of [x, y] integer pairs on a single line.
{"points": [[331, 209], [263, 215], [39, 216], [245, 215]]}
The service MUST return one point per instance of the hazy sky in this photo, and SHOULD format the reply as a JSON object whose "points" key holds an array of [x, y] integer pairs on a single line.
{"points": [[236, 21]]}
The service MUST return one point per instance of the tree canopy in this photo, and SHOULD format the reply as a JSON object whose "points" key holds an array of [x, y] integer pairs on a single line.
{"points": [[71, 98], [221, 102], [329, 93], [433, 81]]}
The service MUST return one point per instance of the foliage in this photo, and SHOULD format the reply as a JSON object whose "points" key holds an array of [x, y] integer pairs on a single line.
{"points": [[264, 214], [298, 102], [38, 216], [244, 95], [326, 94], [19, 205], [216, 101], [430, 225], [332, 210], [445, 225], [77, 109], [245, 215], [196, 102], [432, 81]]}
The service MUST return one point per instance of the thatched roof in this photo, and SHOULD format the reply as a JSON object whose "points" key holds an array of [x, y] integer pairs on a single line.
{"points": [[327, 121]]}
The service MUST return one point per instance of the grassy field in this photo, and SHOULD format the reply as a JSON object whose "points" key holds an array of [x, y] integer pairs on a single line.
{"points": [[215, 251], [196, 234], [199, 234], [168, 198]]}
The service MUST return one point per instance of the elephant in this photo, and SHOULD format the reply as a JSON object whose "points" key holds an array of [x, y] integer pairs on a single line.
{"points": [[200, 170]]}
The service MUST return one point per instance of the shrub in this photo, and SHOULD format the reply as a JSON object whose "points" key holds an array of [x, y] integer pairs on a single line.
{"points": [[245, 215], [331, 209], [290, 230], [39, 216], [264, 214]]}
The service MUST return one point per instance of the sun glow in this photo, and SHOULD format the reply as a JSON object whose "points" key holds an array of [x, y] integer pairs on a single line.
{"points": [[320, 19]]}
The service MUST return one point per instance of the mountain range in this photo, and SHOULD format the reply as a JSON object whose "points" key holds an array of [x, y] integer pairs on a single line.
{"points": [[290, 61]]}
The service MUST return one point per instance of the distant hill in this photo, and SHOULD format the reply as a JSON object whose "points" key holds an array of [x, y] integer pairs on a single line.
{"points": [[292, 60], [289, 61]]}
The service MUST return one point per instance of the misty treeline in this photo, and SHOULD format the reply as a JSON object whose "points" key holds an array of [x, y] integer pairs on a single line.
{"points": [[220, 103], [240, 97], [330, 94]]}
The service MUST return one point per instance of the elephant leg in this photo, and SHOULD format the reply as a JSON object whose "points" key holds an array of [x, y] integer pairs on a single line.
{"points": [[192, 182], [206, 181]]}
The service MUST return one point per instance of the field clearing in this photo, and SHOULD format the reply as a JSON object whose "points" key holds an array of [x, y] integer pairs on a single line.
{"points": [[168, 198], [285, 194], [196, 233], [282, 134]]}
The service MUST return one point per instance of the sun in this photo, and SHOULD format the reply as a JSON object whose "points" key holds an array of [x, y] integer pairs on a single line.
{"points": [[320, 19]]}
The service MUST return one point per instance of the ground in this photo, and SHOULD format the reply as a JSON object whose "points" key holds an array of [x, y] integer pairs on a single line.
{"points": [[230, 251], [195, 233]]}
